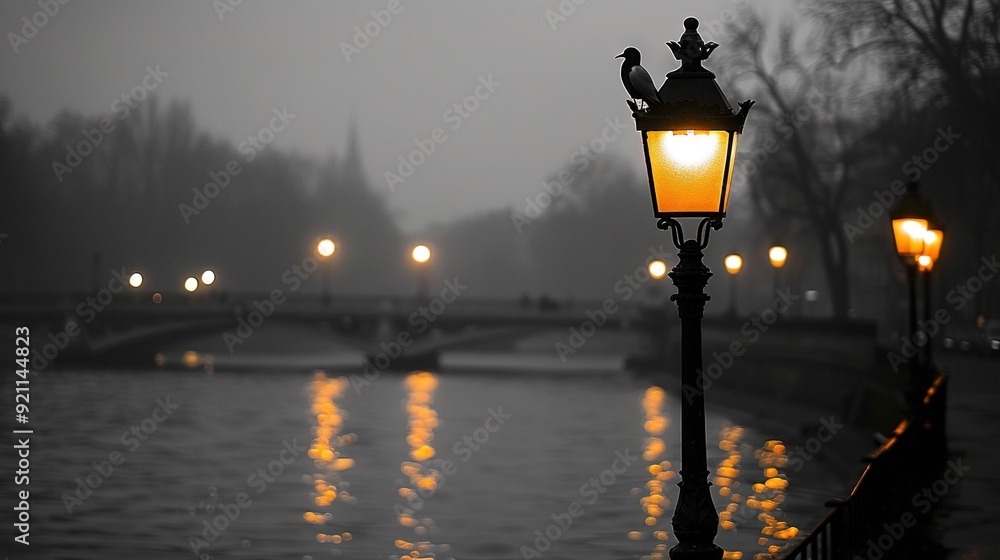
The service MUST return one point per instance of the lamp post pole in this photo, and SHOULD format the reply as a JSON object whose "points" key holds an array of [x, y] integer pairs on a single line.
{"points": [[933, 239], [732, 296], [695, 520], [325, 248], [911, 282], [421, 255], [777, 254], [928, 350], [910, 221]]}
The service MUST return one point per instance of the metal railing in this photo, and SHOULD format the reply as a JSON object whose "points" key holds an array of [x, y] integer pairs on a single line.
{"points": [[899, 468]]}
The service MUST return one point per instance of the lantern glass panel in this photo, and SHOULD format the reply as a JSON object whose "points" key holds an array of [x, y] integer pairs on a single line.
{"points": [[690, 170], [909, 235]]}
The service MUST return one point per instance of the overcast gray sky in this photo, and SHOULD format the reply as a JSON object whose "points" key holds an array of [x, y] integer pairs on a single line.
{"points": [[551, 62]]}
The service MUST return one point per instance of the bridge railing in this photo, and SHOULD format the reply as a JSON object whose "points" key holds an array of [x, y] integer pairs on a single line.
{"points": [[911, 458]]}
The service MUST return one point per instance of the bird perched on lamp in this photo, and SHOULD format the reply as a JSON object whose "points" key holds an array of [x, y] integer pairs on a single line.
{"points": [[636, 80]]}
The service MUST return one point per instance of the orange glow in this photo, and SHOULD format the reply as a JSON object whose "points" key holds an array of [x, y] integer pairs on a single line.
{"points": [[135, 280], [657, 269], [421, 253], [925, 263], [655, 423], [191, 284], [157, 298], [733, 263], [325, 453], [769, 495], [688, 170], [728, 473], [423, 479], [933, 238], [909, 236], [777, 255], [191, 359], [326, 247]]}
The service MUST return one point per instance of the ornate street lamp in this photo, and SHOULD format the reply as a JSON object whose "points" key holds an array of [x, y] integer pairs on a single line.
{"points": [[909, 229], [689, 136]]}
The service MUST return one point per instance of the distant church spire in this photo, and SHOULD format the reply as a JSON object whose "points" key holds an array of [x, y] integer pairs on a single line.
{"points": [[353, 170]]}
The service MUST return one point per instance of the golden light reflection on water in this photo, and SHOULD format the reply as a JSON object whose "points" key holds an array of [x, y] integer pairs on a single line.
{"points": [[327, 444], [423, 479], [728, 474], [727, 480], [768, 495], [654, 503]]}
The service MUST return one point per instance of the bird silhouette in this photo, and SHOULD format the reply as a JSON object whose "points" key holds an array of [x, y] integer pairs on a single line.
{"points": [[636, 80]]}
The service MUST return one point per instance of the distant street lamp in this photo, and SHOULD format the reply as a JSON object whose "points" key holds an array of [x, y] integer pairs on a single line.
{"points": [[208, 277], [135, 281], [733, 264], [421, 254], [191, 284], [777, 254], [689, 136], [657, 269], [909, 228], [933, 238], [325, 248]]}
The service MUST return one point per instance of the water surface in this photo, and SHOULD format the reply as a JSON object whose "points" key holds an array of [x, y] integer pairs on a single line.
{"points": [[311, 465]]}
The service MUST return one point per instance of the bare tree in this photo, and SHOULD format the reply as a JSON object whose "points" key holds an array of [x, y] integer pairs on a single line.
{"points": [[808, 139], [942, 59]]}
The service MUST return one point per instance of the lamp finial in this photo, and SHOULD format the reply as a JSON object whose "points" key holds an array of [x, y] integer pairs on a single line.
{"points": [[691, 49]]}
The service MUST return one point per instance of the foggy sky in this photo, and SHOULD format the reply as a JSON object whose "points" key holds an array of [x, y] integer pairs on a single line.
{"points": [[558, 80]]}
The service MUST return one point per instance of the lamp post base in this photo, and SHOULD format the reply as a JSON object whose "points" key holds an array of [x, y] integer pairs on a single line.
{"points": [[709, 551], [695, 521]]}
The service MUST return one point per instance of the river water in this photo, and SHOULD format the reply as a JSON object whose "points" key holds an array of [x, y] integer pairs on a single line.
{"points": [[255, 465]]}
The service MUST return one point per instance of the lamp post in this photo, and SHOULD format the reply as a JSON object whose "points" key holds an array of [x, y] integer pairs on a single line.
{"points": [[689, 136], [733, 263], [909, 228], [777, 254], [933, 238], [135, 281], [325, 248], [421, 255]]}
